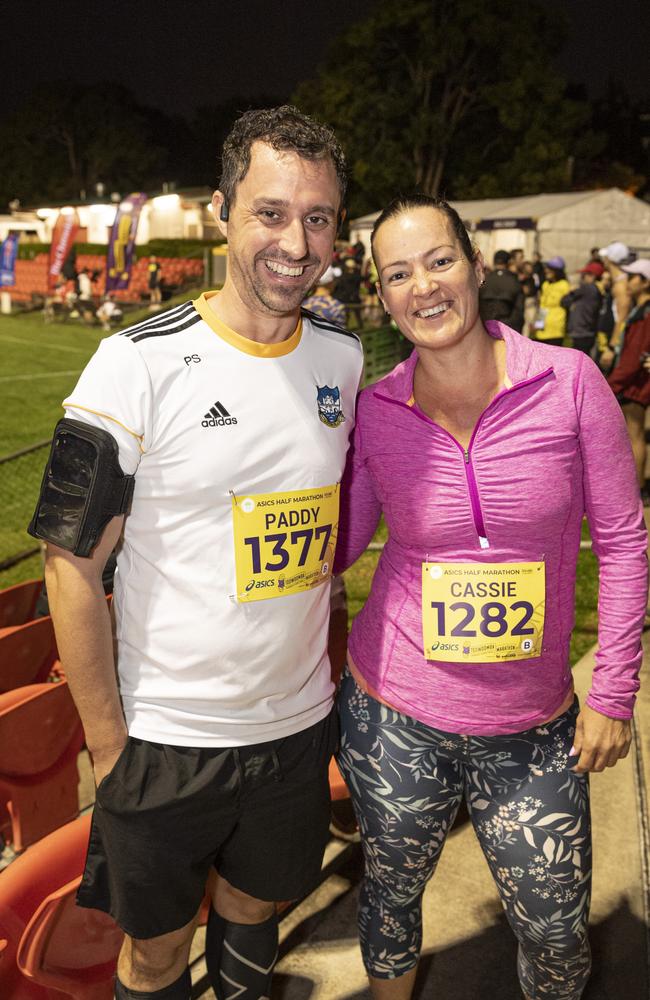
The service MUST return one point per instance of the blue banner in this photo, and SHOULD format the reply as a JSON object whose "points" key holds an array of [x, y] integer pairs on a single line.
{"points": [[8, 254]]}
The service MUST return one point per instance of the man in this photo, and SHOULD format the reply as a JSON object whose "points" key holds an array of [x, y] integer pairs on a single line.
{"points": [[217, 417], [85, 300], [515, 261], [501, 296], [322, 301], [348, 291], [583, 308], [613, 257], [629, 380], [108, 312], [155, 291]]}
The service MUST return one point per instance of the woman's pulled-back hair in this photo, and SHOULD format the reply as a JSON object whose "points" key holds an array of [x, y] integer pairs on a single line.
{"points": [[404, 203], [284, 128]]}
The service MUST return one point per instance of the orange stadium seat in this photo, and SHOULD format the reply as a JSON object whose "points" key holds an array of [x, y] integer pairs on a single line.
{"points": [[17, 603], [28, 653], [53, 948], [338, 787], [40, 737]]}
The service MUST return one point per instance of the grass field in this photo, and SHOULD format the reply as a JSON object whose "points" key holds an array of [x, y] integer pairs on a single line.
{"points": [[41, 364]]}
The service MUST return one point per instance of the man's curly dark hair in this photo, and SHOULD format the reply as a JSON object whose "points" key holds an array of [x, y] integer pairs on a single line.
{"points": [[282, 128]]}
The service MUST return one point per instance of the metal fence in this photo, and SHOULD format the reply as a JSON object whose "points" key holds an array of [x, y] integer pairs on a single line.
{"points": [[382, 350], [20, 480]]}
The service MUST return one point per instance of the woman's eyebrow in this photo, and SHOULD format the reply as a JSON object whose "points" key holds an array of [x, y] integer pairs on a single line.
{"points": [[442, 246]]}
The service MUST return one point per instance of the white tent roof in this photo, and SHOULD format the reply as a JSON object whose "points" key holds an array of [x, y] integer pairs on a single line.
{"points": [[539, 206], [568, 223]]}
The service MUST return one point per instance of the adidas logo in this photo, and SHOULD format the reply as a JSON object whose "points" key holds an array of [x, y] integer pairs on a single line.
{"points": [[217, 416]]}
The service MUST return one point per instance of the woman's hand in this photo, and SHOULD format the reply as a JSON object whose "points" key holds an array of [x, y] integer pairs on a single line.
{"points": [[599, 741]]}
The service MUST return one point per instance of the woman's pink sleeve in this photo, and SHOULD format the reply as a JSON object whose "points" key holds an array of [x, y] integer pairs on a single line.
{"points": [[619, 539], [360, 507]]}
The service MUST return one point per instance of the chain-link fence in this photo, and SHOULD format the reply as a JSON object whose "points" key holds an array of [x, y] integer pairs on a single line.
{"points": [[20, 480], [382, 350]]}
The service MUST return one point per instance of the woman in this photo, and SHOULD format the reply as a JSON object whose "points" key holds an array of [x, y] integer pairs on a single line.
{"points": [[629, 380], [482, 450], [550, 325]]}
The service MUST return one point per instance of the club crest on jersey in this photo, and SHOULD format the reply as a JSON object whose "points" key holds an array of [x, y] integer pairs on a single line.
{"points": [[329, 405]]}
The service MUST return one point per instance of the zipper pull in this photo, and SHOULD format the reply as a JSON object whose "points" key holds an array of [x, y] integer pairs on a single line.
{"points": [[466, 453]]}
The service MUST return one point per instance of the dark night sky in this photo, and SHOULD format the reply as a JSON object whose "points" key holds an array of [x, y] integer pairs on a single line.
{"points": [[178, 55]]}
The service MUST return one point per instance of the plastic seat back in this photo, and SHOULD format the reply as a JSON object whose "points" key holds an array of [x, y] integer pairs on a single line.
{"points": [[17, 603], [40, 738], [27, 653], [35, 892], [338, 788], [70, 948], [38, 724]]}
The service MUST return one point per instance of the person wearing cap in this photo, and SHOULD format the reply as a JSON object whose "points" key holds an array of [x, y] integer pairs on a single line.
{"points": [[550, 325], [614, 256], [501, 296], [630, 380], [322, 302], [583, 305]]}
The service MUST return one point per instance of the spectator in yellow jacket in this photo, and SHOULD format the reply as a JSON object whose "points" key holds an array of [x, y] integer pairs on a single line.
{"points": [[550, 325]]}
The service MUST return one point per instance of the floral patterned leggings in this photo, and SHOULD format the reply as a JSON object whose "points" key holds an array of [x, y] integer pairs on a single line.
{"points": [[530, 814]]}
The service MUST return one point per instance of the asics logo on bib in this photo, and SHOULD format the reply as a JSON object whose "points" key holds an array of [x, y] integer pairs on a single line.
{"points": [[217, 416]]}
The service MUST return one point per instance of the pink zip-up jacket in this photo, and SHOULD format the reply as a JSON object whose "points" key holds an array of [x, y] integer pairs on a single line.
{"points": [[546, 451]]}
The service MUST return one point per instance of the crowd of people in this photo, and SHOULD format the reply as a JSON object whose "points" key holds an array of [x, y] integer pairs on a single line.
{"points": [[224, 451], [605, 315], [347, 292], [74, 296]]}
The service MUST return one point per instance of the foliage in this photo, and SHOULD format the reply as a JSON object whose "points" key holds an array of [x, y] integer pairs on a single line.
{"points": [[160, 247], [176, 248], [85, 135], [29, 251], [456, 98]]}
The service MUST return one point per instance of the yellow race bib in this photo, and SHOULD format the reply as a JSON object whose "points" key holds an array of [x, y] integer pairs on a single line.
{"points": [[483, 612], [284, 542]]}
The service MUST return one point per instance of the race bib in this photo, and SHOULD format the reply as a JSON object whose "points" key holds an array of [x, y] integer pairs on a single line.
{"points": [[284, 542], [483, 612]]}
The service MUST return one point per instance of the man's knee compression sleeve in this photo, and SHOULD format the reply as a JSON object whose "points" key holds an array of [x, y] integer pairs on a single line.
{"points": [[241, 957]]}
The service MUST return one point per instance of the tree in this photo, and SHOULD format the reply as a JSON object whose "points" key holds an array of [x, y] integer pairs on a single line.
{"points": [[66, 138], [454, 97]]}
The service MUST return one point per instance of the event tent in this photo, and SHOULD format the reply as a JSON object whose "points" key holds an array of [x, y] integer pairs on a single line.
{"points": [[569, 224]]}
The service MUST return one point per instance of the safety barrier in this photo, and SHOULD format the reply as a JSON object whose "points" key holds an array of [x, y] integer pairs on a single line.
{"points": [[20, 479]]}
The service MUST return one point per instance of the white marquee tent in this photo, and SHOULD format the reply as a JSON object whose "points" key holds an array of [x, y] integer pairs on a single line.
{"points": [[568, 224]]}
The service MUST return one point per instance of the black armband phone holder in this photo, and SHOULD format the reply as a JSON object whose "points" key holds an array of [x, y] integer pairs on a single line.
{"points": [[83, 488]]}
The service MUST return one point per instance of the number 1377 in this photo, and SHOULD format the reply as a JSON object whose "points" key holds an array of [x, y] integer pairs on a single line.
{"points": [[302, 536]]}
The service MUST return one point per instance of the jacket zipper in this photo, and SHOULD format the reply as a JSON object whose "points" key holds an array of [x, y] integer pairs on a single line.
{"points": [[470, 476]]}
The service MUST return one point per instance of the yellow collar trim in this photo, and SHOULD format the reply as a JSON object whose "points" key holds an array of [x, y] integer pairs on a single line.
{"points": [[244, 344]]}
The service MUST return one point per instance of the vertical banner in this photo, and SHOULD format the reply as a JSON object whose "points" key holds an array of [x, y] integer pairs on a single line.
{"points": [[122, 241], [8, 254], [63, 236]]}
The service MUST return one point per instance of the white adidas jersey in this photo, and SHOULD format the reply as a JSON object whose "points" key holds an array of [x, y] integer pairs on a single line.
{"points": [[202, 415]]}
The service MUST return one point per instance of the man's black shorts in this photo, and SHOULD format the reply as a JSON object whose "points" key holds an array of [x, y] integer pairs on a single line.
{"points": [[165, 815]]}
